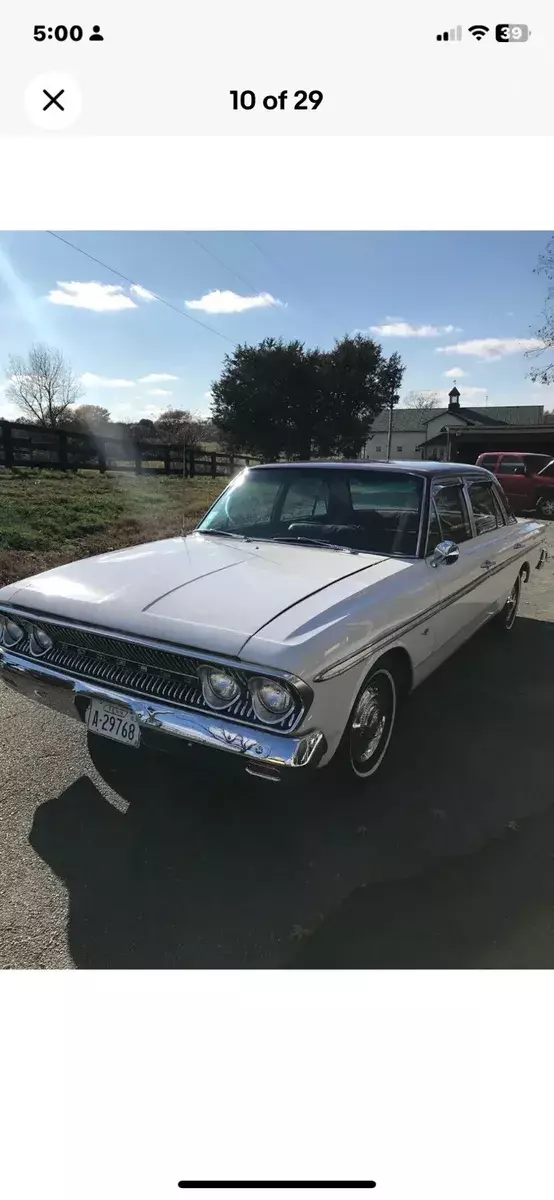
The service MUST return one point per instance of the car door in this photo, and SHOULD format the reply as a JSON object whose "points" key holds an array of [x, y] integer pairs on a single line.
{"points": [[464, 594], [513, 477], [498, 542]]}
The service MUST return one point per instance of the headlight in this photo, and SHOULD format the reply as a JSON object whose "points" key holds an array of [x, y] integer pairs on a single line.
{"points": [[219, 688], [271, 701], [40, 641], [11, 633]]}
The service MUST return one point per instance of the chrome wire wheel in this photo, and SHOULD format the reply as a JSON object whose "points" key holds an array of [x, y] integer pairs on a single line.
{"points": [[509, 612], [371, 723], [546, 506]]}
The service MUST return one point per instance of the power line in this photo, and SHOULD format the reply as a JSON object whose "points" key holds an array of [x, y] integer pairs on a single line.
{"points": [[279, 267], [133, 283], [231, 270]]}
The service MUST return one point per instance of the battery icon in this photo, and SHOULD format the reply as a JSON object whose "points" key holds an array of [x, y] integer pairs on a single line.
{"points": [[512, 33]]}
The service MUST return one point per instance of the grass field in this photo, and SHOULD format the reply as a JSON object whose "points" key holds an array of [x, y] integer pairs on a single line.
{"points": [[49, 517]]}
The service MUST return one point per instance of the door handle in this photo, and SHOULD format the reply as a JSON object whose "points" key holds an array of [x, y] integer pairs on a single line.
{"points": [[518, 545], [487, 564]]}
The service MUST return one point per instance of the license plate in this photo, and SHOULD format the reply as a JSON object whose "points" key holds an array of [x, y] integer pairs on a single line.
{"points": [[113, 721]]}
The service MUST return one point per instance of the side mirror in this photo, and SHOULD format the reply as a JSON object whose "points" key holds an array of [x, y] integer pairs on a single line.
{"points": [[446, 552]]}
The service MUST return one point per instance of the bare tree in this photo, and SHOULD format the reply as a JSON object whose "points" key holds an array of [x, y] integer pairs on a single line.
{"points": [[544, 372], [421, 401], [43, 385]]}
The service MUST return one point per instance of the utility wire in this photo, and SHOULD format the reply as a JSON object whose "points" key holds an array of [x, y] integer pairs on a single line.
{"points": [[223, 264], [133, 283]]}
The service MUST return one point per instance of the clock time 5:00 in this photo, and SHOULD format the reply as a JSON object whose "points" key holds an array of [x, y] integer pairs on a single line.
{"points": [[61, 33]]}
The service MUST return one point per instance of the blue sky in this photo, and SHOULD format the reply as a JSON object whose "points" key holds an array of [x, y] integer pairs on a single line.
{"points": [[453, 304]]}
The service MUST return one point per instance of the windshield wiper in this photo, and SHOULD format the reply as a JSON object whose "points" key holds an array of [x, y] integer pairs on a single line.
{"points": [[223, 533], [307, 541]]}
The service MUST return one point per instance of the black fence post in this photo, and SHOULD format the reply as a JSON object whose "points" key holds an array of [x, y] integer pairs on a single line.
{"points": [[213, 462], [8, 444], [247, 462], [167, 459], [62, 449], [102, 457], [231, 463], [192, 465]]}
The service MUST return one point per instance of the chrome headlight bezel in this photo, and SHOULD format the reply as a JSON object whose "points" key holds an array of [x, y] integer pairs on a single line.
{"points": [[214, 700], [10, 638], [269, 716], [37, 650]]}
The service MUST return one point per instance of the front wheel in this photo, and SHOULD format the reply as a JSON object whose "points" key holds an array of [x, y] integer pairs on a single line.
{"points": [[505, 620], [366, 738], [545, 506]]}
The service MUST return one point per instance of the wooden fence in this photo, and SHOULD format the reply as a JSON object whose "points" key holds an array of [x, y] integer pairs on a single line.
{"points": [[66, 450]]}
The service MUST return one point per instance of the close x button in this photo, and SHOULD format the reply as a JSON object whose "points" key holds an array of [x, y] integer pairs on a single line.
{"points": [[53, 101]]}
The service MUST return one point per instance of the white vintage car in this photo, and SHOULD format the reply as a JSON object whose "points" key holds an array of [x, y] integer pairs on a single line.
{"points": [[287, 627]]}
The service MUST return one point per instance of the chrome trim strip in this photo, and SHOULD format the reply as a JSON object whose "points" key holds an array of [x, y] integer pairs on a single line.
{"points": [[59, 692], [405, 627]]}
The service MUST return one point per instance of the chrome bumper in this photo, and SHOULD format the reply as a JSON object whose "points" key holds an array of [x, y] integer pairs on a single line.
{"points": [[258, 747]]}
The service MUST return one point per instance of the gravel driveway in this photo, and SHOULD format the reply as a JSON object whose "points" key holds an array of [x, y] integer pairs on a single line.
{"points": [[450, 862]]}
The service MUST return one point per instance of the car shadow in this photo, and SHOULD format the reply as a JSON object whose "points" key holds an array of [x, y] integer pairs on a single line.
{"points": [[450, 847]]}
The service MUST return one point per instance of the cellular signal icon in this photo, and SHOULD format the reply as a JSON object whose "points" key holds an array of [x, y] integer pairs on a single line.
{"points": [[454, 35]]}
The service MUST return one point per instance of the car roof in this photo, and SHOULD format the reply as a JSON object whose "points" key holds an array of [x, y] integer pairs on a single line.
{"points": [[514, 454], [408, 466]]}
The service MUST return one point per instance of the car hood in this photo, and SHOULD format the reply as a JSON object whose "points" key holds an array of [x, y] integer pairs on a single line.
{"points": [[206, 592]]}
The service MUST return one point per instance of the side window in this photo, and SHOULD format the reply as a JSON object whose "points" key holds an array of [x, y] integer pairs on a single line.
{"points": [[434, 536], [505, 507], [489, 461], [511, 466], [305, 499], [484, 508], [452, 513]]}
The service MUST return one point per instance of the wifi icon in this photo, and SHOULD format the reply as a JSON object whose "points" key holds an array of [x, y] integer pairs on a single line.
{"points": [[478, 31]]}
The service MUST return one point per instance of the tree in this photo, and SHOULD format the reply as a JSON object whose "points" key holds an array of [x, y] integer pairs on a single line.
{"points": [[281, 398], [544, 372], [42, 386], [180, 426], [421, 401], [87, 417]]}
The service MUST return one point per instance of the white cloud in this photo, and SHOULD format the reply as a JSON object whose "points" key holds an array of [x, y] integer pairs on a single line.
{"points": [[229, 302], [159, 392], [455, 373], [157, 378], [402, 329], [100, 381], [491, 349], [141, 292], [97, 297]]}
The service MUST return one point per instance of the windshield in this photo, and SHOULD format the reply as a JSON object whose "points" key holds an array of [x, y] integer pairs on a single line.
{"points": [[360, 510]]}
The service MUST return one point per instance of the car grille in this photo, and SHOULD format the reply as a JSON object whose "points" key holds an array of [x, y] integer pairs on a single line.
{"points": [[143, 670]]}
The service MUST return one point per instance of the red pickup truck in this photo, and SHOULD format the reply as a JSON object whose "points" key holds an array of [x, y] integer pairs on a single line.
{"points": [[527, 479]]}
